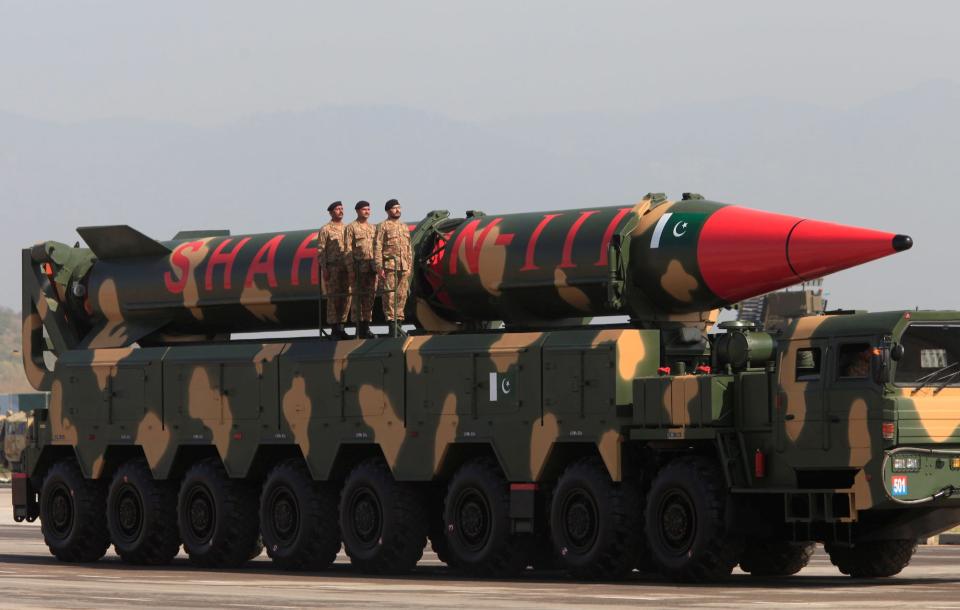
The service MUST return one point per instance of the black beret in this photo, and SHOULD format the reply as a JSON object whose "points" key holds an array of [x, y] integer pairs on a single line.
{"points": [[333, 205], [361, 204], [390, 204]]}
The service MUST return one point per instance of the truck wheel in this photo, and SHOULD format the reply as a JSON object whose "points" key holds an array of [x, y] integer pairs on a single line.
{"points": [[298, 519], [686, 526], [596, 524], [217, 516], [875, 559], [436, 531], [73, 514], [381, 520], [478, 528], [142, 516], [776, 557]]}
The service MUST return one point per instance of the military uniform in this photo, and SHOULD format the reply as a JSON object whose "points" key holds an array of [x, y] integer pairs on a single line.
{"points": [[361, 270], [393, 256], [331, 253]]}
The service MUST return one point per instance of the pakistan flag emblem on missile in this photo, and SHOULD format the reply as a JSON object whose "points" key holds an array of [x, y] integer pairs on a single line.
{"points": [[677, 229]]}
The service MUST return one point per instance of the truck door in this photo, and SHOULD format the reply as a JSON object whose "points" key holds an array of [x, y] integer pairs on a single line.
{"points": [[800, 417], [852, 399]]}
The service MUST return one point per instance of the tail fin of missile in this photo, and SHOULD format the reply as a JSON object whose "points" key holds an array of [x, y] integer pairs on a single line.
{"points": [[120, 241]]}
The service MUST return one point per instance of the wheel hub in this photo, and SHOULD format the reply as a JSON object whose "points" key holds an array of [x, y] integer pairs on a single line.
{"points": [[201, 514], [677, 521], [473, 518], [366, 517], [580, 519], [61, 511], [286, 518], [129, 512]]}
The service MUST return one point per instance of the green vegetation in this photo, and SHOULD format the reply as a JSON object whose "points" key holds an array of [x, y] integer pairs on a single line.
{"points": [[12, 379]]}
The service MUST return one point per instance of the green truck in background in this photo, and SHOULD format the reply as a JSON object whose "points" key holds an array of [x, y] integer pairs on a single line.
{"points": [[504, 430]]}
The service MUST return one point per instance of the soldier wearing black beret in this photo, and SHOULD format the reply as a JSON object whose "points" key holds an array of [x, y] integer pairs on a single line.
{"points": [[332, 257], [363, 274], [394, 260]]}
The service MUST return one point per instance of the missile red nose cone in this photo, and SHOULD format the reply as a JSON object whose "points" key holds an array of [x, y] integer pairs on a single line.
{"points": [[817, 248], [744, 252]]}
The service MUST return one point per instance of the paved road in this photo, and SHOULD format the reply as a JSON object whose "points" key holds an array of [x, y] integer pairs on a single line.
{"points": [[31, 578]]}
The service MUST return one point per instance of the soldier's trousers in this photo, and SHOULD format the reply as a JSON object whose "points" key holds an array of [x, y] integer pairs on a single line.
{"points": [[336, 281], [400, 282], [363, 285]]}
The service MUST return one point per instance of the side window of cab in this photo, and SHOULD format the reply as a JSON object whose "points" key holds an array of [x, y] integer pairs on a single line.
{"points": [[808, 362], [853, 360]]}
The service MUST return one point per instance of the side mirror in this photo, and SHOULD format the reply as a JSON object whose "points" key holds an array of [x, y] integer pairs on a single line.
{"points": [[896, 352]]}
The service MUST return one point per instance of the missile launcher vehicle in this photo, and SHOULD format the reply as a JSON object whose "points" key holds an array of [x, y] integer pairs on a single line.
{"points": [[505, 429]]}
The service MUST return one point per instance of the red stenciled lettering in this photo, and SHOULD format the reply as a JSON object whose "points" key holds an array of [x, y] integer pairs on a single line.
{"points": [[532, 244], [263, 262], [608, 235], [305, 252], [180, 261], [219, 258], [473, 246], [566, 260]]}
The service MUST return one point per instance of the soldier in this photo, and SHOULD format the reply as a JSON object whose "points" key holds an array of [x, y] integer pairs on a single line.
{"points": [[361, 269], [331, 254], [394, 260]]}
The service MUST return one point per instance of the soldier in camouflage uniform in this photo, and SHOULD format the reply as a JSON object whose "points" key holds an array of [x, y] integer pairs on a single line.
{"points": [[331, 251], [362, 272], [393, 259]]}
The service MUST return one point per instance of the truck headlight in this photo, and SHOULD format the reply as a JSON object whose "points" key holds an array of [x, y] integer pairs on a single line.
{"points": [[907, 463]]}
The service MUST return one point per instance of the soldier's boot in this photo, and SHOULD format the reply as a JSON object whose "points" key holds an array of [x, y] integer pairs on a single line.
{"points": [[363, 331], [337, 332]]}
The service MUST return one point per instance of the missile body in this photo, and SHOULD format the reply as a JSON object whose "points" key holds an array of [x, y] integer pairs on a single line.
{"points": [[205, 286], [651, 261], [654, 261]]}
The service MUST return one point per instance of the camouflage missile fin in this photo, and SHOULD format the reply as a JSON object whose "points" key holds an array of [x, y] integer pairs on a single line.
{"points": [[120, 241]]}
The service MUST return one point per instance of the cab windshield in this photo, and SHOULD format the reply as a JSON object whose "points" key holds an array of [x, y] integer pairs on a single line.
{"points": [[931, 355]]}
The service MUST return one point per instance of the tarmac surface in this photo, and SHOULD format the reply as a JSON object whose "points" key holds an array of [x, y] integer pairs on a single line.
{"points": [[31, 578]]}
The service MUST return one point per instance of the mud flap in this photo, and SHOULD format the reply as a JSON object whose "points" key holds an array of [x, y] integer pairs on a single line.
{"points": [[522, 507], [25, 504]]}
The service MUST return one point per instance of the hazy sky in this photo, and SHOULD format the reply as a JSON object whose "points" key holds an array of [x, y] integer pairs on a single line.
{"points": [[240, 115], [211, 62]]}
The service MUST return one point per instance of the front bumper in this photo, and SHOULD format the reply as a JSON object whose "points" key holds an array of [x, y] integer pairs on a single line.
{"points": [[916, 475]]}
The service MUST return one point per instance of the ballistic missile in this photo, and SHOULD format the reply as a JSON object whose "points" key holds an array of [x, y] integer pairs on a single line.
{"points": [[656, 260], [652, 261]]}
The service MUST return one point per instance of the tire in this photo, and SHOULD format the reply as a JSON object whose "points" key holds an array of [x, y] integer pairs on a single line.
{"points": [[478, 527], [686, 522], [381, 521], [776, 557], [877, 559], [543, 556], [436, 530], [298, 519], [73, 516], [596, 524], [142, 516], [217, 517]]}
